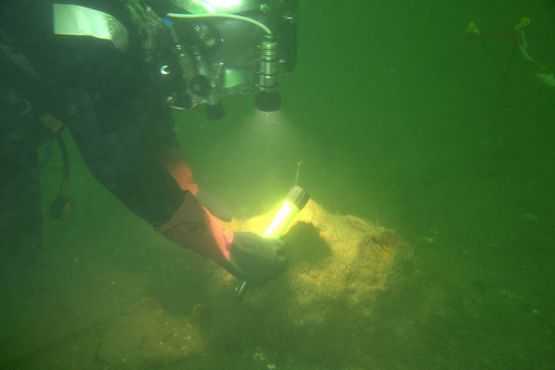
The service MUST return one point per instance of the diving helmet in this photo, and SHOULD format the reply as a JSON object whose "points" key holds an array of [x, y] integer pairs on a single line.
{"points": [[228, 47]]}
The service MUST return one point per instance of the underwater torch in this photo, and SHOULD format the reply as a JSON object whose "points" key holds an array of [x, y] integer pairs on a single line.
{"points": [[294, 202], [268, 98]]}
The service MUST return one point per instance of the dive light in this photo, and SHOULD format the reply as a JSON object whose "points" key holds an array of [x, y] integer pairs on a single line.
{"points": [[294, 202], [268, 98]]}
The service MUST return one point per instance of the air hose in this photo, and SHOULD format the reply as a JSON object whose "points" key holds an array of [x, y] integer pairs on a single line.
{"points": [[258, 24]]}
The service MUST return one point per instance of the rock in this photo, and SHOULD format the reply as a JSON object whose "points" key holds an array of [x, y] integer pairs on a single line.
{"points": [[339, 264], [150, 336], [318, 311]]}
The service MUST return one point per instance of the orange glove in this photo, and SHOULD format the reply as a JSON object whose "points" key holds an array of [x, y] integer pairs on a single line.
{"points": [[245, 255], [196, 228]]}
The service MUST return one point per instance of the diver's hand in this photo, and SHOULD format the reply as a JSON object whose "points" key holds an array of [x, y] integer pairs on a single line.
{"points": [[255, 258]]}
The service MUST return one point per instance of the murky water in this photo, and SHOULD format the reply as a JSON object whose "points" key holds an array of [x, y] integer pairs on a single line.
{"points": [[399, 120]]}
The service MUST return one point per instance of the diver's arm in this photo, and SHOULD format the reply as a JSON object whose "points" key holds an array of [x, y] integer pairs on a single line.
{"points": [[120, 158], [170, 155], [174, 162], [121, 161]]}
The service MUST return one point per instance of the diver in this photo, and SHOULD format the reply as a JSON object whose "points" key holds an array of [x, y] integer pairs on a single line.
{"points": [[517, 36], [106, 70]]}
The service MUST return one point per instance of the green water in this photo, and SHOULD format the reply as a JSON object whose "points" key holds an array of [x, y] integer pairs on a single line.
{"points": [[399, 120]]}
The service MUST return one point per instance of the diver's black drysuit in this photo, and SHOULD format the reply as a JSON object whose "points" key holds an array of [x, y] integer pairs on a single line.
{"points": [[20, 135], [114, 105]]}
